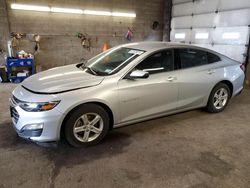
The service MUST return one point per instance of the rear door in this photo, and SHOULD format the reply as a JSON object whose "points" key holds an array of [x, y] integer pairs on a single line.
{"points": [[198, 75], [140, 98]]}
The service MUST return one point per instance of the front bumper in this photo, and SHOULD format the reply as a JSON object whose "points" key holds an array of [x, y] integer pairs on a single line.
{"points": [[51, 121], [30, 133]]}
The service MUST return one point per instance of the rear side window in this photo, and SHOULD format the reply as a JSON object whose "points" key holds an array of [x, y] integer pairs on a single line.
{"points": [[212, 58], [192, 58]]}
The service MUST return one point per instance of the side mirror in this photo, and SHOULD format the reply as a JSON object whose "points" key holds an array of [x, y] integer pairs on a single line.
{"points": [[138, 74]]}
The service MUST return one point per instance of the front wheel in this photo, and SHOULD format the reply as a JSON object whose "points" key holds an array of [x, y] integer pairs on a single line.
{"points": [[218, 98], [87, 125]]}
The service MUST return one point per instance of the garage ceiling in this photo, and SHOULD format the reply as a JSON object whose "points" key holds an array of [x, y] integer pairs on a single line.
{"points": [[221, 25]]}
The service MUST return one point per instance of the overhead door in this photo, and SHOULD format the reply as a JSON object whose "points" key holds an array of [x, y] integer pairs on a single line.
{"points": [[221, 25]]}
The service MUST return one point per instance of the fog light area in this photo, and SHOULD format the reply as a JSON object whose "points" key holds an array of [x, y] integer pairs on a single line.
{"points": [[34, 126]]}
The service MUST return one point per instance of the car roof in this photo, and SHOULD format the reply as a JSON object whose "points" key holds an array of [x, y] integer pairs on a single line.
{"points": [[153, 46]]}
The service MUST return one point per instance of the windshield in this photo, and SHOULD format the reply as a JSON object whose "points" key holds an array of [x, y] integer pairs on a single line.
{"points": [[113, 60]]}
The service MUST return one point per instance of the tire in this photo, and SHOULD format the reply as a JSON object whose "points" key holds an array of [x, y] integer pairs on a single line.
{"points": [[213, 105], [87, 125]]}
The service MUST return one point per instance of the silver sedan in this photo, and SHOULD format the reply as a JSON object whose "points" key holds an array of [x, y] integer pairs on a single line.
{"points": [[124, 85]]}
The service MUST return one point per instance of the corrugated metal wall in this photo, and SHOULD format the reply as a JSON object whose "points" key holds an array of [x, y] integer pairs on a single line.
{"points": [[221, 25]]}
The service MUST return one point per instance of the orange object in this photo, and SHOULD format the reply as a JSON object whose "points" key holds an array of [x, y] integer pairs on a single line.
{"points": [[48, 106], [105, 47]]}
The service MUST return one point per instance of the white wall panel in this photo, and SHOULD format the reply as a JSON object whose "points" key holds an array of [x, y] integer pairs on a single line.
{"points": [[204, 20], [227, 29], [181, 22], [233, 4], [203, 6], [233, 18], [183, 9], [197, 7]]}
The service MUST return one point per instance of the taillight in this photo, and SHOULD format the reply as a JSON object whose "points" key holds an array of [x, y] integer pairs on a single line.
{"points": [[242, 66]]}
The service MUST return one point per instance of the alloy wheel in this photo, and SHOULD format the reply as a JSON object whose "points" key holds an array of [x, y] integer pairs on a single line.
{"points": [[220, 98], [88, 127]]}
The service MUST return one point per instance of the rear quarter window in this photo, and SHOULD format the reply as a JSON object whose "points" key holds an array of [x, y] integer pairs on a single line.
{"points": [[212, 58], [192, 58]]}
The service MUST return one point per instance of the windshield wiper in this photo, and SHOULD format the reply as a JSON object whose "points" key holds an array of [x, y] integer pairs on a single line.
{"points": [[83, 66], [90, 69]]}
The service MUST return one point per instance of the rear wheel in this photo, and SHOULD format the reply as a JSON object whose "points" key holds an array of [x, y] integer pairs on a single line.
{"points": [[87, 125], [218, 98]]}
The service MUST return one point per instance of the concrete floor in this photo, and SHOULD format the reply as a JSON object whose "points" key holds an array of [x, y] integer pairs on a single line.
{"points": [[193, 149]]}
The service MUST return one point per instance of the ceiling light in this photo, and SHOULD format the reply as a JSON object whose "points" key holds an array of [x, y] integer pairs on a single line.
{"points": [[30, 7], [70, 11], [121, 14], [180, 35], [66, 10], [201, 36], [231, 35], [97, 13]]}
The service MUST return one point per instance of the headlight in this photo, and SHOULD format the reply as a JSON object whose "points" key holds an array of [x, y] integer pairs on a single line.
{"points": [[38, 107]]}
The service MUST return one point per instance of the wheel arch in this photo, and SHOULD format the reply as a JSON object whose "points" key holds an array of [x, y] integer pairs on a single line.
{"points": [[229, 84], [103, 105]]}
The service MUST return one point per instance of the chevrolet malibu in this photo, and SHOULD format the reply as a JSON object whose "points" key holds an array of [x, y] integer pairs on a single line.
{"points": [[124, 85]]}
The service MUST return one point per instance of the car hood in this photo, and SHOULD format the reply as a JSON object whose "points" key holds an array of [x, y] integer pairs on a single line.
{"points": [[61, 79]]}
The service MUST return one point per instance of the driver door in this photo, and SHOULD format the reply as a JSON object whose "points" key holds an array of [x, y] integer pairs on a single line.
{"points": [[155, 95]]}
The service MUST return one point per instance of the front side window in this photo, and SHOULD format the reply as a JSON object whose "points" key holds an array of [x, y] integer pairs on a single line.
{"points": [[112, 61], [192, 58], [158, 62]]}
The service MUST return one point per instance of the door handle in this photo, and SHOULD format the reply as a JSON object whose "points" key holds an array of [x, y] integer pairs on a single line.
{"points": [[171, 78], [210, 71]]}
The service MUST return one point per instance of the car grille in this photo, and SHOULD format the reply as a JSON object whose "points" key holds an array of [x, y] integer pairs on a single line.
{"points": [[14, 114]]}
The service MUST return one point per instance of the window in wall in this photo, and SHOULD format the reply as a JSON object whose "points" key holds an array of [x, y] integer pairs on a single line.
{"points": [[201, 36], [158, 62], [180, 35], [231, 35]]}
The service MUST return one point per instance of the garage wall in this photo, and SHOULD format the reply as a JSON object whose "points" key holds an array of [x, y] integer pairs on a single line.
{"points": [[3, 24], [59, 44], [3, 31], [222, 25]]}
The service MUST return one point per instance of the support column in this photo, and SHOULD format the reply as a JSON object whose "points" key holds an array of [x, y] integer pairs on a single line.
{"points": [[4, 30], [167, 20]]}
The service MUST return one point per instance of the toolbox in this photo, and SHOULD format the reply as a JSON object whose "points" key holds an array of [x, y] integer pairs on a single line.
{"points": [[19, 69]]}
